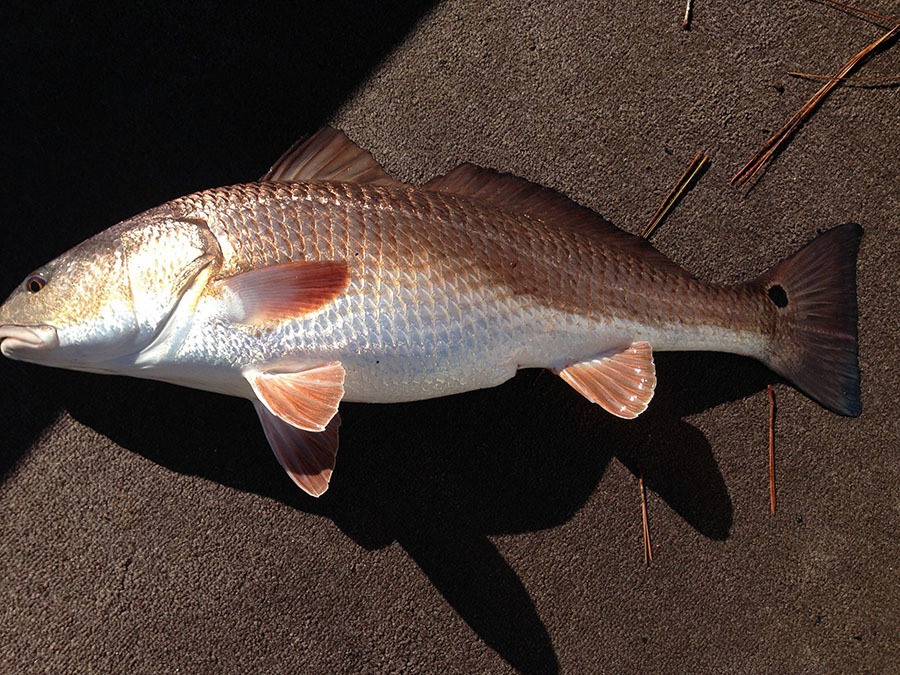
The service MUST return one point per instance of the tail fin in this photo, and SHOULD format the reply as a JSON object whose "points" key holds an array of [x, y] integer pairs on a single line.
{"points": [[815, 293]]}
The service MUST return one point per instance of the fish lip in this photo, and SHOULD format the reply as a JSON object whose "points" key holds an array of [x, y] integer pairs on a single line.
{"points": [[16, 339]]}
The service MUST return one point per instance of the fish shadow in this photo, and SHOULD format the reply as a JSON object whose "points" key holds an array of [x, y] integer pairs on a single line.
{"points": [[31, 402], [440, 477]]}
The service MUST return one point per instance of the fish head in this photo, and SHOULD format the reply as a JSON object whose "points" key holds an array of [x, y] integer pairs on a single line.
{"points": [[111, 296]]}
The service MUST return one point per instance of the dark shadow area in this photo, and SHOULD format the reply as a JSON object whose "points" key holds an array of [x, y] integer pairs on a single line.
{"points": [[32, 398], [673, 455], [440, 476], [479, 584]]}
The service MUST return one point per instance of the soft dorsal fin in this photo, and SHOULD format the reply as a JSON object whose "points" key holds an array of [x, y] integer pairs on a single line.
{"points": [[307, 456], [306, 399], [328, 155], [522, 196], [622, 382], [284, 292]]}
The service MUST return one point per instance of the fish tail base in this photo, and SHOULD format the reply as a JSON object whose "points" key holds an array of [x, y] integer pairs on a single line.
{"points": [[814, 294]]}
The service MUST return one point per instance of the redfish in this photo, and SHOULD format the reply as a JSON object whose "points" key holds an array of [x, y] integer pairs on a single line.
{"points": [[328, 280]]}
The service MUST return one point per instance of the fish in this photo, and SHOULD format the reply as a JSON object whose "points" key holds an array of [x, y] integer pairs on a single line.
{"points": [[330, 280]]}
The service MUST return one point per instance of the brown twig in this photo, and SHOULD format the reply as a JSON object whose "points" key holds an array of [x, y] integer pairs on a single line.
{"points": [[690, 174], [648, 545], [755, 166], [771, 450], [888, 81]]}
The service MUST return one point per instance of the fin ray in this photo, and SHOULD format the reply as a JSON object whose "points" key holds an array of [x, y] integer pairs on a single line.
{"points": [[328, 155], [307, 457], [285, 291], [307, 399], [622, 383]]}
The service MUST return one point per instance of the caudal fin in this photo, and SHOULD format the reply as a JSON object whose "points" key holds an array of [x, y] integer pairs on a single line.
{"points": [[815, 293]]}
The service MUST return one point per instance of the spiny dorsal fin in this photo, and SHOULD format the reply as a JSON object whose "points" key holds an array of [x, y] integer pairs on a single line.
{"points": [[622, 383], [512, 193], [328, 155]]}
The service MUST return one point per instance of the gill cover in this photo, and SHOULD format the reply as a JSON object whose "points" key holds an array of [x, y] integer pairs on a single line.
{"points": [[169, 260]]}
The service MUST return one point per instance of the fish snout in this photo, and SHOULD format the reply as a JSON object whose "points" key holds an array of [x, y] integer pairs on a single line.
{"points": [[15, 340]]}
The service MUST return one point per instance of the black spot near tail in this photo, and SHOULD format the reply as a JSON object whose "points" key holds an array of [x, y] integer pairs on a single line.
{"points": [[778, 296], [815, 291]]}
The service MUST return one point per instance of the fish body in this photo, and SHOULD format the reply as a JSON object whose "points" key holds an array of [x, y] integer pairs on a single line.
{"points": [[328, 280], [445, 294]]}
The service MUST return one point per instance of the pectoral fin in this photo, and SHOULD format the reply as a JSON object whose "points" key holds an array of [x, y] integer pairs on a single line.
{"points": [[622, 382], [307, 456], [286, 291], [306, 399]]}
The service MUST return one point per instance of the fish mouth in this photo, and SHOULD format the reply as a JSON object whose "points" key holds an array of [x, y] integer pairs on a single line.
{"points": [[16, 340]]}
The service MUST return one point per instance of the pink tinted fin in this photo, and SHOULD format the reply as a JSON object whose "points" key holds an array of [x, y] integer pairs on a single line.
{"points": [[622, 383], [307, 399], [286, 291], [517, 194], [328, 155], [307, 456], [814, 294]]}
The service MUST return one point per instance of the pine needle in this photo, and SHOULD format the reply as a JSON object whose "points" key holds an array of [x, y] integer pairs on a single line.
{"points": [[887, 81], [687, 178], [688, 14], [884, 21], [648, 545], [761, 159], [771, 450]]}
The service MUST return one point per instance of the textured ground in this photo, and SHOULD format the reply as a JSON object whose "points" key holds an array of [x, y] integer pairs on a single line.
{"points": [[146, 528]]}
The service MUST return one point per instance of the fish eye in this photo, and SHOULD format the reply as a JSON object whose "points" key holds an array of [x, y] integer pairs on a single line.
{"points": [[34, 283]]}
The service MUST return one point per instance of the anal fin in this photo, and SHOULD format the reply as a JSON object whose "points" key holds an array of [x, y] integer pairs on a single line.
{"points": [[307, 456], [622, 382]]}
